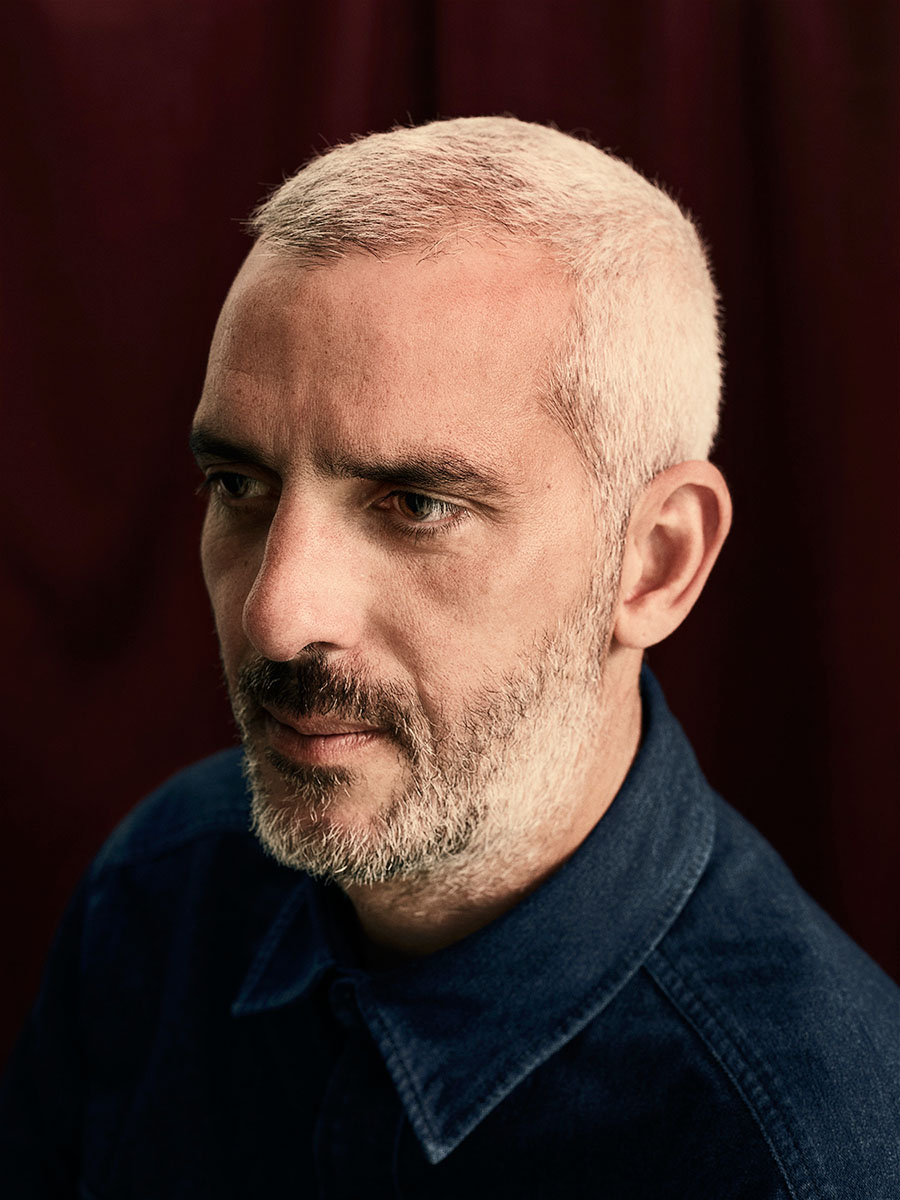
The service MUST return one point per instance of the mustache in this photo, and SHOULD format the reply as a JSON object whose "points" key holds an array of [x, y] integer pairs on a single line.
{"points": [[312, 686]]}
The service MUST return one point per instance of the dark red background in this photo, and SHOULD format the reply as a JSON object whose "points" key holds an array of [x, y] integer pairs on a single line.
{"points": [[137, 134]]}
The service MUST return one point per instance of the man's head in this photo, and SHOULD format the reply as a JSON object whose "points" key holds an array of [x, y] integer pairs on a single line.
{"points": [[452, 361], [636, 374]]}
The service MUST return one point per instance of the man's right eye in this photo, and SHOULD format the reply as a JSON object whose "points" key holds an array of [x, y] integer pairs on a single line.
{"points": [[232, 486]]}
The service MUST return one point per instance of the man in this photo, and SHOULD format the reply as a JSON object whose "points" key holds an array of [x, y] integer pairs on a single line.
{"points": [[494, 934]]}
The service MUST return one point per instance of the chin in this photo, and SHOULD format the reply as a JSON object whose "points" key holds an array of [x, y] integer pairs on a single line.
{"points": [[328, 846], [336, 830]]}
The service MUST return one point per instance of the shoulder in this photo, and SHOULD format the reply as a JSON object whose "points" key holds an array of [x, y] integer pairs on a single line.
{"points": [[207, 798], [804, 1023], [182, 880]]}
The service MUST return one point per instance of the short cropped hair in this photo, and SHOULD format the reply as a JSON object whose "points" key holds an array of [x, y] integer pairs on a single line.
{"points": [[637, 381]]}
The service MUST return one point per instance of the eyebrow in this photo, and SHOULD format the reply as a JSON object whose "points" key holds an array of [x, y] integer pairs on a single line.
{"points": [[431, 470], [204, 443]]}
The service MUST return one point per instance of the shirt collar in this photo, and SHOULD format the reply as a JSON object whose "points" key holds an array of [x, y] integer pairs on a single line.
{"points": [[459, 1029]]}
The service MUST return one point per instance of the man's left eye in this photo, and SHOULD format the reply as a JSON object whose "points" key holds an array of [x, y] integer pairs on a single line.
{"points": [[423, 509]]}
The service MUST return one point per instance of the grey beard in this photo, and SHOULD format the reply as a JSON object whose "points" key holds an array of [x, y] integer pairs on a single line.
{"points": [[481, 789], [433, 815]]}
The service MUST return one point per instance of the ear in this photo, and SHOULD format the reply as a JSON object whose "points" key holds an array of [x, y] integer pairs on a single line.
{"points": [[674, 536]]}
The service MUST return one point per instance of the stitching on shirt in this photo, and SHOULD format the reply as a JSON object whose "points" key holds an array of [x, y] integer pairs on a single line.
{"points": [[409, 1093], [746, 1072], [573, 1023]]}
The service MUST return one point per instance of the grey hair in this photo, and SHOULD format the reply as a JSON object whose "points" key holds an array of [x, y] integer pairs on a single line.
{"points": [[638, 380]]}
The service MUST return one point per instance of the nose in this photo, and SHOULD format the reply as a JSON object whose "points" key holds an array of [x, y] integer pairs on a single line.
{"points": [[307, 591]]}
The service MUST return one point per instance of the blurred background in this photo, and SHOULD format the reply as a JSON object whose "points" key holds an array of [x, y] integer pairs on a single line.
{"points": [[137, 134]]}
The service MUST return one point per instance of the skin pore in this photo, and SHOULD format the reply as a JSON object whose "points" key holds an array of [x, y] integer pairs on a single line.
{"points": [[432, 649]]}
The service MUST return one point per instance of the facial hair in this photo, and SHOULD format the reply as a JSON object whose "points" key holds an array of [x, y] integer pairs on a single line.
{"points": [[477, 786]]}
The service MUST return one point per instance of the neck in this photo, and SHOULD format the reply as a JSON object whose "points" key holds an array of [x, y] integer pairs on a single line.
{"points": [[417, 916]]}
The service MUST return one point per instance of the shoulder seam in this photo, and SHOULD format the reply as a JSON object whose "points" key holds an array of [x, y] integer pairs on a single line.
{"points": [[747, 1076]]}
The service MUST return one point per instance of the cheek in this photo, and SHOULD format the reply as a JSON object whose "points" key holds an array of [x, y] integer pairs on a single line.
{"points": [[457, 623], [229, 576], [512, 586]]}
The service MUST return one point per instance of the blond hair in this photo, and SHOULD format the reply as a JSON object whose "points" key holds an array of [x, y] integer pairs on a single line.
{"points": [[637, 381]]}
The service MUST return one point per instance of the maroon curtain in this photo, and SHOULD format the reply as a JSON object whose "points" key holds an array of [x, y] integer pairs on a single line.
{"points": [[136, 136]]}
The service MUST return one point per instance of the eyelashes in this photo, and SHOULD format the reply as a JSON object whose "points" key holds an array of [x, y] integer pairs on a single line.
{"points": [[414, 508], [232, 486], [411, 513]]}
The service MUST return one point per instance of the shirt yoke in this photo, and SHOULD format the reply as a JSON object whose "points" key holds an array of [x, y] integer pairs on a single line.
{"points": [[793, 1011]]}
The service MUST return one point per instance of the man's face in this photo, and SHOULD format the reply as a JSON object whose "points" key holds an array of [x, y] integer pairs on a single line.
{"points": [[401, 553]]}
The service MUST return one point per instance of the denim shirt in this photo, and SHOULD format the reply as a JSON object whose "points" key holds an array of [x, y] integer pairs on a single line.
{"points": [[667, 1016]]}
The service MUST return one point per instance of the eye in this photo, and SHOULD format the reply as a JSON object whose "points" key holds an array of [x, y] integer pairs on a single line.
{"points": [[419, 516], [232, 487], [424, 510]]}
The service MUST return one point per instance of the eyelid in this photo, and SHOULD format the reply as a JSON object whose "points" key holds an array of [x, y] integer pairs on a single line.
{"points": [[452, 514], [213, 475], [425, 495], [249, 470], [419, 530]]}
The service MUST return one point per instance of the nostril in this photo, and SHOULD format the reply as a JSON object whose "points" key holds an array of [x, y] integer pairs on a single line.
{"points": [[298, 600]]}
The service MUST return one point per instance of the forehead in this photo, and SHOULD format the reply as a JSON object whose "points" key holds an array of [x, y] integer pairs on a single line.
{"points": [[397, 353]]}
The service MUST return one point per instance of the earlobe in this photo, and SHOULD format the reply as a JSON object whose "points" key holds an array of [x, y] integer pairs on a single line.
{"points": [[675, 534]]}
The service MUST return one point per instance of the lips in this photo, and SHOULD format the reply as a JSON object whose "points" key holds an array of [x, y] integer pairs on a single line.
{"points": [[320, 726], [320, 740]]}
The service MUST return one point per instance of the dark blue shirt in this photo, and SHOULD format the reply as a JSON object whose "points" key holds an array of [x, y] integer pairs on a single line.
{"points": [[668, 1016]]}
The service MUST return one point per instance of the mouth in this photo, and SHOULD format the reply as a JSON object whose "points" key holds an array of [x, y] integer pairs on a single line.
{"points": [[319, 739]]}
